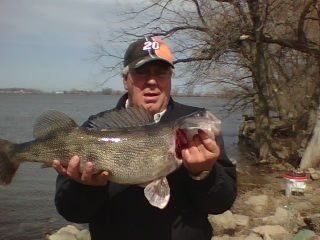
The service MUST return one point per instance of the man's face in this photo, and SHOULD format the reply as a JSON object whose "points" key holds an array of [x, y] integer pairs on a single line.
{"points": [[149, 86]]}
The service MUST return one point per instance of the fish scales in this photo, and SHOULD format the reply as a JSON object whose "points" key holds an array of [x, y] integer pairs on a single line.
{"points": [[134, 156]]}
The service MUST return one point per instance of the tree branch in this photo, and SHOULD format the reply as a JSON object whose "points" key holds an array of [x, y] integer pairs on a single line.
{"points": [[180, 28], [200, 13], [306, 46], [304, 13]]}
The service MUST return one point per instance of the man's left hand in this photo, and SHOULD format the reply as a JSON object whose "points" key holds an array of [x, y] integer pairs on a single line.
{"points": [[200, 154]]}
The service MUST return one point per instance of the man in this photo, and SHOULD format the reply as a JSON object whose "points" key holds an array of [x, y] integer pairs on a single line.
{"points": [[205, 184]]}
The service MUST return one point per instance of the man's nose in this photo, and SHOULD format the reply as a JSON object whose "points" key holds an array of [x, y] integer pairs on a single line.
{"points": [[152, 79]]}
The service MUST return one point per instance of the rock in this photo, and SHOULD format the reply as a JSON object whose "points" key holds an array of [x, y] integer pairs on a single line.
{"points": [[223, 223], [257, 221], [275, 232], [315, 176], [258, 203], [311, 170], [69, 228], [62, 236], [283, 153], [281, 216], [220, 238], [314, 197], [241, 220], [253, 236], [313, 221], [304, 234], [302, 206], [260, 200], [83, 235], [70, 232], [226, 237]]}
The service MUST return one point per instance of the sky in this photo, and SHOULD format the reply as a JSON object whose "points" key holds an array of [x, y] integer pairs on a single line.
{"points": [[49, 44]]}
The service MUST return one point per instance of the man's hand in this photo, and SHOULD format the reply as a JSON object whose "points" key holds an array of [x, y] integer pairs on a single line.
{"points": [[201, 153], [87, 177]]}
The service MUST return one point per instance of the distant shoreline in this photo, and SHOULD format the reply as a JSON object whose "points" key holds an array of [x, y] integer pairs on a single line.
{"points": [[53, 93], [107, 91]]}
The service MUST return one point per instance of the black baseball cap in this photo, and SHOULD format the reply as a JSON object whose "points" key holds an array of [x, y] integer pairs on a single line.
{"points": [[146, 50]]}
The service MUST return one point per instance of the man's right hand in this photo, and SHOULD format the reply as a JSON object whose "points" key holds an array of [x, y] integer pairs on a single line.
{"points": [[87, 177]]}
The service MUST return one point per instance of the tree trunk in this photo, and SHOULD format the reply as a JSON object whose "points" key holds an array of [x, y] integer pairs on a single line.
{"points": [[260, 82]]}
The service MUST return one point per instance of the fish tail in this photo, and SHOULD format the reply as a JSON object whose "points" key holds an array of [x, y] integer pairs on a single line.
{"points": [[8, 166]]}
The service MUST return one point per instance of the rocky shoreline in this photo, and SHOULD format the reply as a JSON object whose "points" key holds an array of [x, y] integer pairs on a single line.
{"points": [[262, 211]]}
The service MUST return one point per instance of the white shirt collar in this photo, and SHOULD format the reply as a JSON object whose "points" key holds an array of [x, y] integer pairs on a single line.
{"points": [[156, 117]]}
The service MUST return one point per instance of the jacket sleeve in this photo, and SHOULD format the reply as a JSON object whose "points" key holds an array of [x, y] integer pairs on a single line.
{"points": [[217, 192], [77, 202]]}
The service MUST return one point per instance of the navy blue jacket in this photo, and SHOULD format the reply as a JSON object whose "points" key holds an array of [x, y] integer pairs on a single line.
{"points": [[122, 212]]}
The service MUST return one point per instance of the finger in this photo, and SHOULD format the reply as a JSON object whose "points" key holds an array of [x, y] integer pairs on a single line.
{"points": [[203, 154], [206, 147], [102, 178], [87, 173], [191, 153], [56, 164], [191, 149], [197, 140], [209, 143], [196, 146], [186, 155], [73, 169], [204, 134], [58, 167]]}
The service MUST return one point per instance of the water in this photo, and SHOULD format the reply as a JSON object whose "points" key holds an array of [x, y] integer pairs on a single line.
{"points": [[27, 205]]}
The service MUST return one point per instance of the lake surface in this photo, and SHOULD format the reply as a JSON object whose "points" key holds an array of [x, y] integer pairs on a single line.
{"points": [[27, 205]]}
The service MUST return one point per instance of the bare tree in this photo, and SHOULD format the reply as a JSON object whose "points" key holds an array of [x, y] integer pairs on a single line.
{"points": [[267, 50]]}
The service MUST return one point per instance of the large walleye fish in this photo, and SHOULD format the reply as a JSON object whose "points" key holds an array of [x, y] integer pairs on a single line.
{"points": [[127, 143]]}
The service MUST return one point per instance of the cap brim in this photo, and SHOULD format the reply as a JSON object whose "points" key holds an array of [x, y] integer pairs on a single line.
{"points": [[148, 59]]}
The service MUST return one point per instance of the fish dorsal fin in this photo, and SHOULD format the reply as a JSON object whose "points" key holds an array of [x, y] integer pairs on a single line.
{"points": [[123, 118], [51, 122]]}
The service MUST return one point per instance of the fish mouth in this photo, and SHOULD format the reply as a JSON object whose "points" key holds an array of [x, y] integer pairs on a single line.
{"points": [[180, 143], [201, 119]]}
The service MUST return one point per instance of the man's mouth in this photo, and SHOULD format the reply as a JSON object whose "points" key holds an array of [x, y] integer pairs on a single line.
{"points": [[151, 97], [151, 94]]}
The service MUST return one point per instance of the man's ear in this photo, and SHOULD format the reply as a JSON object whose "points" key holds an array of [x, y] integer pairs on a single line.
{"points": [[125, 83]]}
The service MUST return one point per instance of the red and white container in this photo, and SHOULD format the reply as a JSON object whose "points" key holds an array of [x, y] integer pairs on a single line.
{"points": [[295, 182]]}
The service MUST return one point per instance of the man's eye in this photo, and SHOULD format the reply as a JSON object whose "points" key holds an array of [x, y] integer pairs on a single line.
{"points": [[141, 72], [146, 73], [162, 72]]}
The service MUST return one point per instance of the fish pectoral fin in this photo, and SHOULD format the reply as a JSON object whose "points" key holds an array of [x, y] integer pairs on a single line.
{"points": [[158, 193]]}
